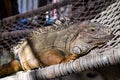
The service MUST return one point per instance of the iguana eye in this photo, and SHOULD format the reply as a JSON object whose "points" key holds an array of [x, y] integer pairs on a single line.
{"points": [[92, 29]]}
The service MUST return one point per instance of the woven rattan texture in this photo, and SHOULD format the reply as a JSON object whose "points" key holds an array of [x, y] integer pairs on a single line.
{"points": [[103, 11]]}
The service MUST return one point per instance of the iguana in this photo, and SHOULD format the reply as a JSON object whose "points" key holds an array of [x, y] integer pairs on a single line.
{"points": [[51, 47], [79, 38]]}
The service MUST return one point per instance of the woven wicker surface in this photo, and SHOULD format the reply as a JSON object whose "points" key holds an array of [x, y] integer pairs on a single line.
{"points": [[103, 11]]}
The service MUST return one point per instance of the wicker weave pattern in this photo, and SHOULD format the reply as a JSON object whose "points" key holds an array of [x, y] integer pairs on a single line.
{"points": [[108, 55]]}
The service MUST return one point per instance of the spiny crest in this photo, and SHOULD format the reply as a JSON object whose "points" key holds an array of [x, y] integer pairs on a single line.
{"points": [[61, 24], [19, 46]]}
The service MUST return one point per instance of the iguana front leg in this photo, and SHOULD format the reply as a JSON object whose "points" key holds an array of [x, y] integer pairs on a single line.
{"points": [[69, 58], [25, 56]]}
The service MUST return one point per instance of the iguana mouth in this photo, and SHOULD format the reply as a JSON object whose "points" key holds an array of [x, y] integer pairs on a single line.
{"points": [[102, 37]]}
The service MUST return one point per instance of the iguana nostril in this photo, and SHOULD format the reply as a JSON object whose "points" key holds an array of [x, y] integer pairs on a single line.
{"points": [[108, 31], [76, 50]]}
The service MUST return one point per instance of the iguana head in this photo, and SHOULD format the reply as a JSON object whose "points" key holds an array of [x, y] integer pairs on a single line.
{"points": [[90, 34]]}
